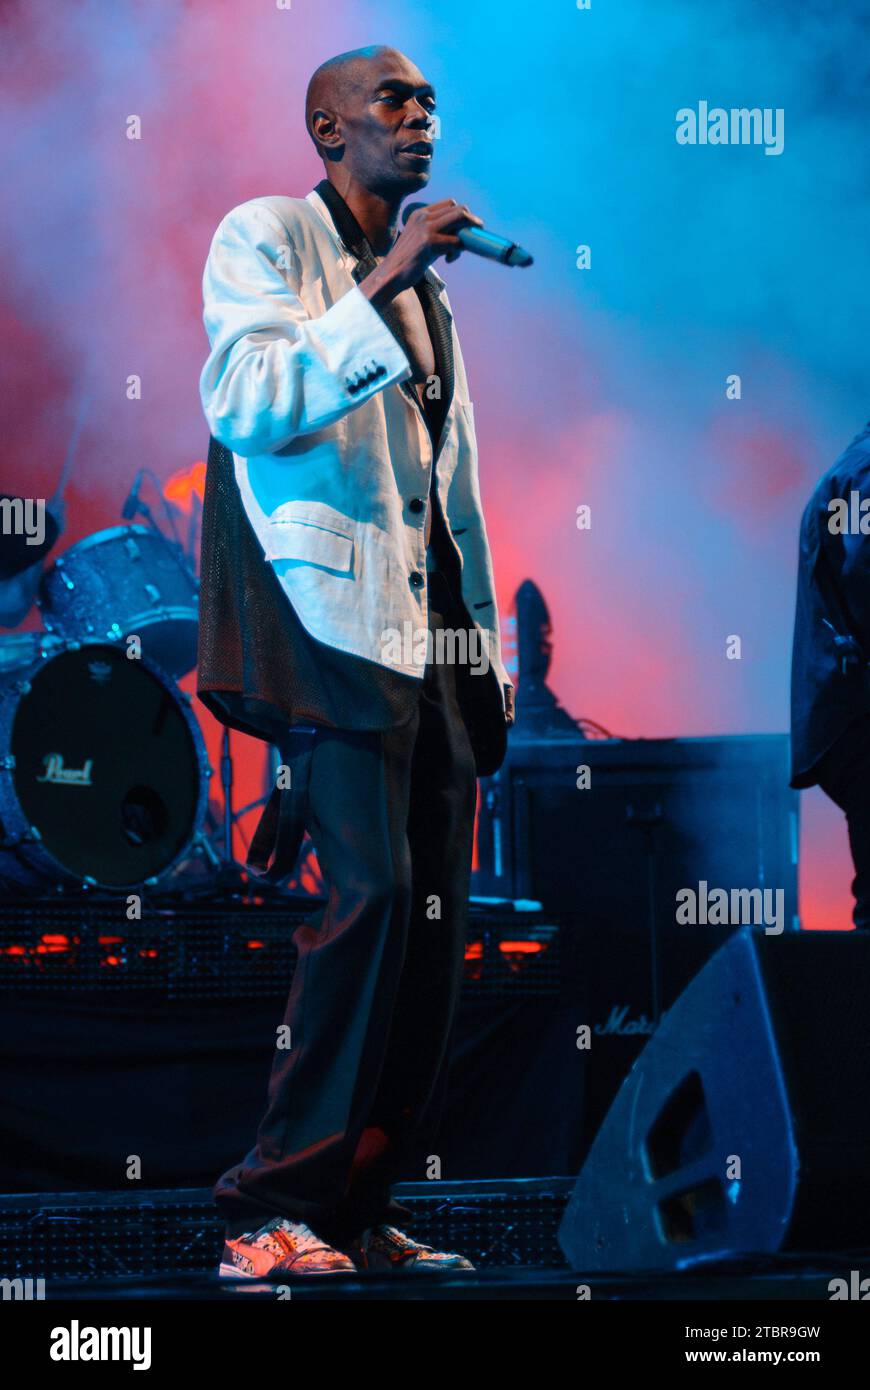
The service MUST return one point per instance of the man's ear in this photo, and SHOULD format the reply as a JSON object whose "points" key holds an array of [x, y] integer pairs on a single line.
{"points": [[326, 129]]}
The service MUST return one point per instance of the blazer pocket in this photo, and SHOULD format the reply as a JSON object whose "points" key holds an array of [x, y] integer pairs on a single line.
{"points": [[313, 533]]}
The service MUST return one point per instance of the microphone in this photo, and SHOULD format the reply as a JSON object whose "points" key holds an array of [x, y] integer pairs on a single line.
{"points": [[131, 506], [134, 505], [483, 243]]}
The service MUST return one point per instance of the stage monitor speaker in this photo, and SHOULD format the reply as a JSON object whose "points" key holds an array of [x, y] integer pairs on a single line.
{"points": [[744, 1125]]}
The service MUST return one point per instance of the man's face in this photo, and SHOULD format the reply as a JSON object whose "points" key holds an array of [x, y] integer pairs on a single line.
{"points": [[385, 122]]}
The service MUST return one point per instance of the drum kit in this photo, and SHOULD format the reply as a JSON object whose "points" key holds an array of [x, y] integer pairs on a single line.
{"points": [[103, 767]]}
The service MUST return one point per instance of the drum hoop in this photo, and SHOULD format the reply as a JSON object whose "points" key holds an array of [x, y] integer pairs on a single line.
{"points": [[134, 624], [159, 613], [110, 533]]}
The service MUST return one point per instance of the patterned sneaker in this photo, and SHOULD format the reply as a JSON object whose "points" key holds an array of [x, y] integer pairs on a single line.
{"points": [[387, 1248], [278, 1249]]}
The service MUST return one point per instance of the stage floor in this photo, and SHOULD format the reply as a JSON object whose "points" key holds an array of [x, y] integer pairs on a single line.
{"points": [[164, 1245], [809, 1283]]}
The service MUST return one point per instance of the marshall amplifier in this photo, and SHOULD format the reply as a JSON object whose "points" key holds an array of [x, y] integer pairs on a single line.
{"points": [[524, 1099], [607, 984]]}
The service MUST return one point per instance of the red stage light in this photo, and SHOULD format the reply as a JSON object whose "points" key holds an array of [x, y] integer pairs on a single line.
{"points": [[181, 487]]}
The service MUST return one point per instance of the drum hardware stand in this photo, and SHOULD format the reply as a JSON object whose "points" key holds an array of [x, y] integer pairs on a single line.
{"points": [[229, 872], [136, 505], [202, 843]]}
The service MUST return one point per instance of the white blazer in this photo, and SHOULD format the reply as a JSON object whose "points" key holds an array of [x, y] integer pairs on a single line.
{"points": [[302, 385]]}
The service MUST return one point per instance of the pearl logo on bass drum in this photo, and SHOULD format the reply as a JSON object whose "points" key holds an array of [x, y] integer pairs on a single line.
{"points": [[100, 671], [69, 776]]}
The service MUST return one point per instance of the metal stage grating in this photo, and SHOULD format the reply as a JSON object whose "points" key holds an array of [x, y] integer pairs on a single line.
{"points": [[100, 1235]]}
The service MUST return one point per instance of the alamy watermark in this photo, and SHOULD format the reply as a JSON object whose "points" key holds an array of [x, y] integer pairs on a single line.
{"points": [[738, 907], [849, 517], [23, 516], [740, 125], [77, 1343], [447, 646], [854, 1288], [21, 1290]]}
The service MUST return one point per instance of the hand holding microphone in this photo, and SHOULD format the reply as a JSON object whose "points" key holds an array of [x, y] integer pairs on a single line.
{"points": [[431, 230], [481, 242]]}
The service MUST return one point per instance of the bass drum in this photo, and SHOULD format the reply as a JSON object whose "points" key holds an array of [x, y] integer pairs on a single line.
{"points": [[103, 771]]}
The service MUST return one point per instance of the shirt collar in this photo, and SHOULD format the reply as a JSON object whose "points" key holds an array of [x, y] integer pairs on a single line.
{"points": [[325, 215]]}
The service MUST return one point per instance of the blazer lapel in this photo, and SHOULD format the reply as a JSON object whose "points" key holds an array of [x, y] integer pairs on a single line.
{"points": [[440, 323], [358, 245]]}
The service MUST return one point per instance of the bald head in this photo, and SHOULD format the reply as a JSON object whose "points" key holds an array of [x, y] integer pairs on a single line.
{"points": [[364, 110], [340, 81]]}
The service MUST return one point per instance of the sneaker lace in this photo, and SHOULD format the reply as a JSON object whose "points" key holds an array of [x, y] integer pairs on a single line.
{"points": [[302, 1241], [393, 1236]]}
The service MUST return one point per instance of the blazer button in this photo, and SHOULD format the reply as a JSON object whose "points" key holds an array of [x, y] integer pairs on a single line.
{"points": [[417, 579], [417, 504]]}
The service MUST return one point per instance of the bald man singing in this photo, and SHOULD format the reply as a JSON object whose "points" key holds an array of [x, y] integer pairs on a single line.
{"points": [[348, 616]]}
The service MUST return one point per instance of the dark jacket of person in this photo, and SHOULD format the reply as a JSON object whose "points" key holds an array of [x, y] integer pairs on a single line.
{"points": [[829, 673]]}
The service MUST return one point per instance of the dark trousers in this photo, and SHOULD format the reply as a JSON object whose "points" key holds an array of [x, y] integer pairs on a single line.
{"points": [[356, 1097], [844, 776]]}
